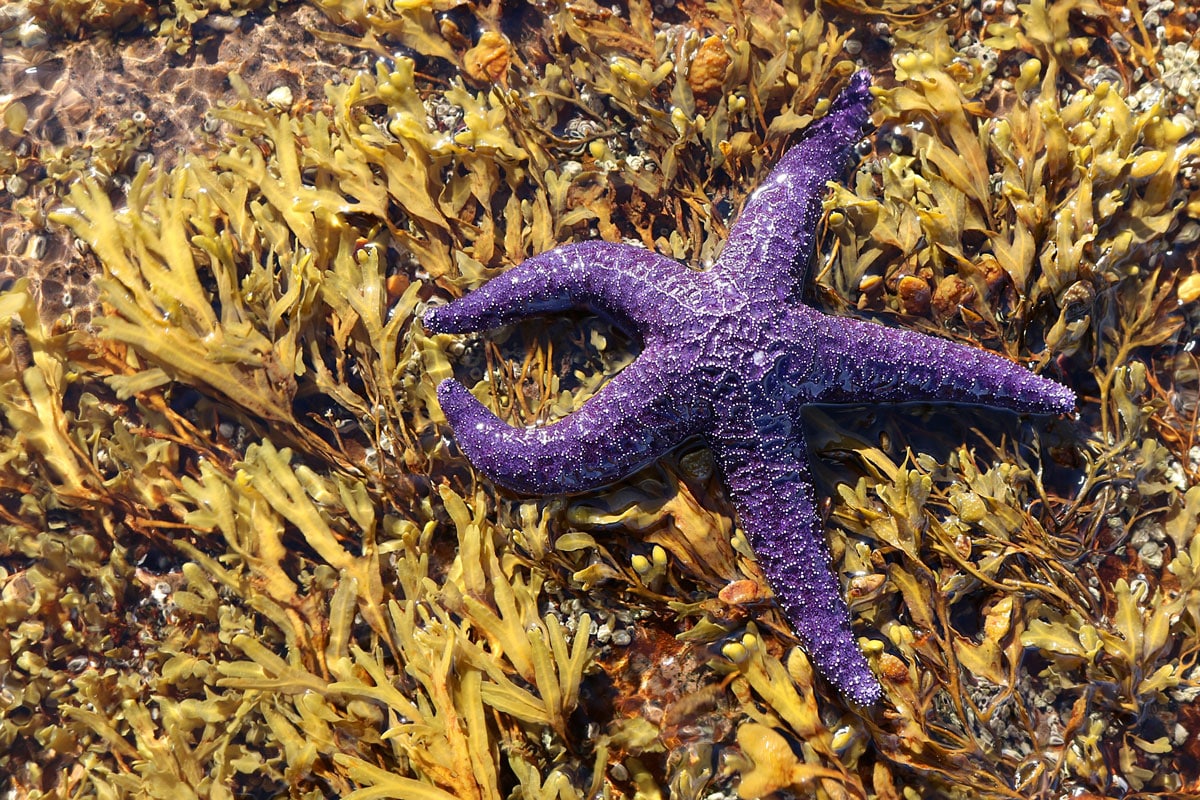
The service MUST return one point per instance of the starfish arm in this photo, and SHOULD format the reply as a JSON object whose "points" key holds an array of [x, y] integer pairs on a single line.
{"points": [[629, 285], [775, 234], [765, 464], [632, 421], [858, 361]]}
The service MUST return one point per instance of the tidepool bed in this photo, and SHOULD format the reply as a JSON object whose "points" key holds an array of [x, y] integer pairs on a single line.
{"points": [[241, 552]]}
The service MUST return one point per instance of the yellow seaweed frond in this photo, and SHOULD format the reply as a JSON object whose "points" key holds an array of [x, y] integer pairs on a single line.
{"points": [[33, 379]]}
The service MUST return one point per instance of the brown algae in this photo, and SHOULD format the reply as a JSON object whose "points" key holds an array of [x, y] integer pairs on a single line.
{"points": [[238, 553]]}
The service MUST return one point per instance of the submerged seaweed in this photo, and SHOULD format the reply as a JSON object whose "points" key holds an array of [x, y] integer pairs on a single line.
{"points": [[239, 554]]}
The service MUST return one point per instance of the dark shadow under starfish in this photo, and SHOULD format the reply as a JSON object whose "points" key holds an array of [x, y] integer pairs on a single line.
{"points": [[732, 354]]}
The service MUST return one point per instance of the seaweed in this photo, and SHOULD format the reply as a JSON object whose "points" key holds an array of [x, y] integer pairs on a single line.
{"points": [[239, 553]]}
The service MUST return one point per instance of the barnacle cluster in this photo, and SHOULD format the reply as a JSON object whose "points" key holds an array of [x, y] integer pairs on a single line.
{"points": [[239, 554]]}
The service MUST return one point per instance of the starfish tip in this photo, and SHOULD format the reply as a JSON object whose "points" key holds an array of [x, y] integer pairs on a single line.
{"points": [[864, 691], [430, 319], [1052, 397], [453, 397], [856, 95], [1064, 400], [850, 111], [860, 83]]}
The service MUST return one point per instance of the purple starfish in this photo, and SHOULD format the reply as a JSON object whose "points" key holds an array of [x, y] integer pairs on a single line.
{"points": [[731, 354]]}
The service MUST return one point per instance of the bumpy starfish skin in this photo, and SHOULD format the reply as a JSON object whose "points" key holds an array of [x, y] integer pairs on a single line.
{"points": [[730, 354]]}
